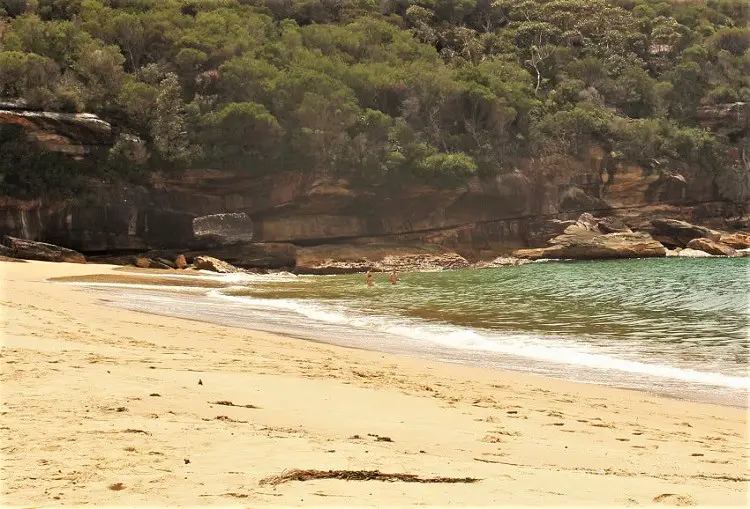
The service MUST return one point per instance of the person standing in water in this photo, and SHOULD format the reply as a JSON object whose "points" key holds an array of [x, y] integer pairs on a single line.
{"points": [[393, 278], [368, 279]]}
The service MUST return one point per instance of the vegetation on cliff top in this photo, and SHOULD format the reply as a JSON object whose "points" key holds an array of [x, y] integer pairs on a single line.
{"points": [[423, 90]]}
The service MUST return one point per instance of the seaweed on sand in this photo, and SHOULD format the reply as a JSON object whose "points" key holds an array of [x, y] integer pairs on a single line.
{"points": [[359, 475]]}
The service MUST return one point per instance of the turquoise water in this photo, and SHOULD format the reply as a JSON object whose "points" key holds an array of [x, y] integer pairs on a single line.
{"points": [[676, 326], [654, 303]]}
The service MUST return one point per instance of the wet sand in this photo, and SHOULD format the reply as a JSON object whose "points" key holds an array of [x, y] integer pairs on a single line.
{"points": [[105, 406]]}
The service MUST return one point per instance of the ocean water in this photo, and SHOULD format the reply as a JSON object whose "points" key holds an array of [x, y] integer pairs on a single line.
{"points": [[674, 326]]}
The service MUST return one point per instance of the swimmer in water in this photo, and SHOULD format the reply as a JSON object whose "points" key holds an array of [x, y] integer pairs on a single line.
{"points": [[368, 279], [393, 278]]}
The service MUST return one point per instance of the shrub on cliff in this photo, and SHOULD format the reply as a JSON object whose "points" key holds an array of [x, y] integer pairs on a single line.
{"points": [[27, 171]]}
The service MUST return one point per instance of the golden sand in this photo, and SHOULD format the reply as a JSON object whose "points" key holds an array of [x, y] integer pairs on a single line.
{"points": [[103, 406]]}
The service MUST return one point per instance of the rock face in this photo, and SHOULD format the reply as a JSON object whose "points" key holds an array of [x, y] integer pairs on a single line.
{"points": [[30, 250], [492, 217], [224, 228], [214, 265], [540, 232], [271, 255], [72, 133], [676, 233], [712, 247], [231, 215], [613, 225], [726, 118], [736, 240]]}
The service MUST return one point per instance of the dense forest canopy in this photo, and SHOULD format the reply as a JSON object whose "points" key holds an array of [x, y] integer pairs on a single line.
{"points": [[431, 91]]}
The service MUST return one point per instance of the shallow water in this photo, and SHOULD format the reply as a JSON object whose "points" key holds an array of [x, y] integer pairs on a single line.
{"points": [[672, 326]]}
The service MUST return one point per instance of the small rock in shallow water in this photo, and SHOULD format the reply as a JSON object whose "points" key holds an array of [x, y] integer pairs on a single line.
{"points": [[143, 263], [214, 265], [180, 262], [712, 247]]}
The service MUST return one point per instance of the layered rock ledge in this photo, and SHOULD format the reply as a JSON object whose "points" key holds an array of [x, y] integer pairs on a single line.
{"points": [[590, 239]]}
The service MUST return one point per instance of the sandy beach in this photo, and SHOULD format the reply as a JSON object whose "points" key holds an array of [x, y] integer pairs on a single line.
{"points": [[104, 406]]}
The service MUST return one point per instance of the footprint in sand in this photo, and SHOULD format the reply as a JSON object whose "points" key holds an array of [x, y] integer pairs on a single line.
{"points": [[603, 425], [674, 499]]}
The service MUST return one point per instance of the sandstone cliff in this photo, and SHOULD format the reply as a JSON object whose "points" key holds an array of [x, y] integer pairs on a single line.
{"points": [[488, 217]]}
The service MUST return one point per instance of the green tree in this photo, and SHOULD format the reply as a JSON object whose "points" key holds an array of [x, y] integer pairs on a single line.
{"points": [[247, 79], [383, 91], [690, 86], [12, 8], [574, 131], [100, 69], [169, 125], [29, 76], [138, 101], [448, 169], [241, 135]]}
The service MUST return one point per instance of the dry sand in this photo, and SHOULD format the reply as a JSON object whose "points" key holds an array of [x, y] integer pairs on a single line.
{"points": [[103, 406]]}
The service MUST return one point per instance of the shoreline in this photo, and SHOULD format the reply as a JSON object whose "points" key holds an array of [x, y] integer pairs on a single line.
{"points": [[174, 294], [651, 390], [518, 432]]}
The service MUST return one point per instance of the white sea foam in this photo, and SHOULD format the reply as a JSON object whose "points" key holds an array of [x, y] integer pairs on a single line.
{"points": [[203, 275], [634, 357], [548, 349], [421, 333]]}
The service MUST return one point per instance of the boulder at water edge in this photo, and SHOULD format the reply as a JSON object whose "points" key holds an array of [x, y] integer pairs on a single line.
{"points": [[535, 253], [214, 265], [590, 245], [150, 263], [678, 233], [712, 247], [501, 261], [32, 250], [143, 263], [612, 225], [180, 262], [736, 240], [161, 263], [693, 253]]}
